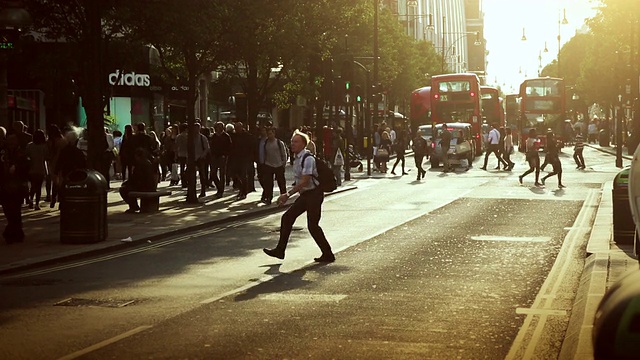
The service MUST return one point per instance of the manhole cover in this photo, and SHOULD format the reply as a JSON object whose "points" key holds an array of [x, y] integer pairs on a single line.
{"points": [[111, 303]]}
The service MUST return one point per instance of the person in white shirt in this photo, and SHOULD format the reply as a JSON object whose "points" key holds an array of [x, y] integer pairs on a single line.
{"points": [[493, 146], [309, 201]]}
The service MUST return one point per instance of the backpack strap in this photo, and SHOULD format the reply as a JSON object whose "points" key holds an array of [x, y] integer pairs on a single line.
{"points": [[313, 177]]}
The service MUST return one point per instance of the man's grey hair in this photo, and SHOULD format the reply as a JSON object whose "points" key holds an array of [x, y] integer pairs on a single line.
{"points": [[304, 136]]}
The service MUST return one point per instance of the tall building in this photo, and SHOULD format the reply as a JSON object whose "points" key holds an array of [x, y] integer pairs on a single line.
{"points": [[455, 27]]}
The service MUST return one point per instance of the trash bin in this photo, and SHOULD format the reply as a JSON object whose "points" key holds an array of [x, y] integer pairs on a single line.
{"points": [[603, 138], [616, 326], [83, 208], [623, 226]]}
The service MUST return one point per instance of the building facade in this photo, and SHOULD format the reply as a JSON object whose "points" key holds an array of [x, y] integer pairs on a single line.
{"points": [[454, 27]]}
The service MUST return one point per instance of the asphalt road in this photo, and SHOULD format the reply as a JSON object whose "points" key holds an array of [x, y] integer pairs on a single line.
{"points": [[467, 265]]}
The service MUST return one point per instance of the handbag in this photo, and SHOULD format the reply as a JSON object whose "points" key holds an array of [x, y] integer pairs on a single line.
{"points": [[339, 159], [383, 152]]}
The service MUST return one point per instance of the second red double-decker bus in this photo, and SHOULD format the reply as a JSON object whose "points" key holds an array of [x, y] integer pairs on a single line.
{"points": [[456, 98], [492, 109], [542, 106], [420, 108]]}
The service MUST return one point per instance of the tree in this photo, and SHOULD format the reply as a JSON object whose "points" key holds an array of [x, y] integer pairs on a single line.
{"points": [[191, 38], [88, 26]]}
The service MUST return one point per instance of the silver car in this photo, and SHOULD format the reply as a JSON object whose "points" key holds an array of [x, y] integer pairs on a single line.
{"points": [[462, 145]]}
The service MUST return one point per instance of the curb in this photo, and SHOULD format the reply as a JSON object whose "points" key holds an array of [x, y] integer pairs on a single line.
{"points": [[593, 283], [607, 151], [114, 245]]}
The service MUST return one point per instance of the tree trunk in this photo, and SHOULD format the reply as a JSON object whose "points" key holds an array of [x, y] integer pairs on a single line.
{"points": [[93, 76]]}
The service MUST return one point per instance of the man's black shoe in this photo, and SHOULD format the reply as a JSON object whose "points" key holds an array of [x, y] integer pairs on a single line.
{"points": [[274, 253], [483, 168], [326, 258], [218, 195]]}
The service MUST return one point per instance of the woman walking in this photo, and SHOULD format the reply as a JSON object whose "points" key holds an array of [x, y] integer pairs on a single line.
{"points": [[420, 150], [37, 155], [55, 143], [400, 147], [553, 158], [533, 158], [508, 149], [383, 151]]}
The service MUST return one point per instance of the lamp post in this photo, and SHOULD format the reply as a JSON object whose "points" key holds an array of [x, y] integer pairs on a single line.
{"points": [[619, 111], [564, 21], [445, 53], [13, 18]]}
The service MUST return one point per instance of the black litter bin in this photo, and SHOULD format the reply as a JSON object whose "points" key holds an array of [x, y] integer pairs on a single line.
{"points": [[623, 226], [83, 208], [603, 138]]}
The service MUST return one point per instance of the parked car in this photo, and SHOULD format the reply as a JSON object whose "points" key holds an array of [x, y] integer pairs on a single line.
{"points": [[462, 145]]}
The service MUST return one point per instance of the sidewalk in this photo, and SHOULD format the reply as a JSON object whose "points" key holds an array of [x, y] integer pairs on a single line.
{"points": [[42, 244], [606, 263]]}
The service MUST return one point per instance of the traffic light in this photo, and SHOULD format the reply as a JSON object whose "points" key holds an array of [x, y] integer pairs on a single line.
{"points": [[358, 94]]}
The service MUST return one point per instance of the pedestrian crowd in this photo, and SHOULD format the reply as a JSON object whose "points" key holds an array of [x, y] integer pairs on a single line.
{"points": [[225, 155]]}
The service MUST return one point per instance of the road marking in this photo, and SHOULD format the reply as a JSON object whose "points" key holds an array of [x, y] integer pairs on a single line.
{"points": [[105, 343], [529, 311], [536, 319], [303, 297], [511, 238]]}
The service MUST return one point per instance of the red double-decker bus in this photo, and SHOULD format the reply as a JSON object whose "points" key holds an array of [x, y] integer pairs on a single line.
{"points": [[456, 98], [420, 107], [543, 107], [492, 110], [512, 110]]}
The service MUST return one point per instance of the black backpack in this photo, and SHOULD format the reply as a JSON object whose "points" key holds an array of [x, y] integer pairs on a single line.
{"points": [[326, 179]]}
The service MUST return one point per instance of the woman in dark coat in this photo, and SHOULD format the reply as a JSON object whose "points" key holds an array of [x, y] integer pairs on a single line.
{"points": [[127, 152], [14, 175]]}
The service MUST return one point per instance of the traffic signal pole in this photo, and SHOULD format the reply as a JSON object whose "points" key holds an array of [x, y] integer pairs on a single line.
{"points": [[375, 79]]}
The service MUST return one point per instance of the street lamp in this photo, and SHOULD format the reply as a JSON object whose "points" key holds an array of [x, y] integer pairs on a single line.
{"points": [[452, 48], [13, 18], [564, 21], [524, 37]]}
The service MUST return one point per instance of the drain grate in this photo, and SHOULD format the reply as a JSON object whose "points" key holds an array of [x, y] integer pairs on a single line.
{"points": [[110, 303]]}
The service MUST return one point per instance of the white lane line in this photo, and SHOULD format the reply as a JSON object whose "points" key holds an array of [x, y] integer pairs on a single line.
{"points": [[303, 297], [528, 311], [107, 342], [511, 238], [555, 278]]}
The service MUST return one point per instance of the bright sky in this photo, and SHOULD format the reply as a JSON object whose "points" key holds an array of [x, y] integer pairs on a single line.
{"points": [[510, 58]]}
